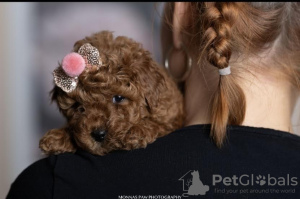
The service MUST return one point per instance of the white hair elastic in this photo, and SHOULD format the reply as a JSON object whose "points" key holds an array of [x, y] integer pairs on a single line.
{"points": [[225, 71]]}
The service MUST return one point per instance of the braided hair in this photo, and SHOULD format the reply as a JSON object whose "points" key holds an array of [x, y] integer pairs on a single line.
{"points": [[218, 30]]}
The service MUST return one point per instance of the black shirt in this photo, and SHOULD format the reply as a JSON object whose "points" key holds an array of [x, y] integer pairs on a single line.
{"points": [[253, 163]]}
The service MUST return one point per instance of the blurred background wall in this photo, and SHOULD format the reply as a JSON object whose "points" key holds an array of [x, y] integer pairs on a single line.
{"points": [[33, 38]]}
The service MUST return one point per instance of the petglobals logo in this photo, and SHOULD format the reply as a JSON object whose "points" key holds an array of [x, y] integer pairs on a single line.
{"points": [[251, 180], [193, 184]]}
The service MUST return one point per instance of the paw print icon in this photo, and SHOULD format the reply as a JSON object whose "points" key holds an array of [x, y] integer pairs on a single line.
{"points": [[261, 180]]}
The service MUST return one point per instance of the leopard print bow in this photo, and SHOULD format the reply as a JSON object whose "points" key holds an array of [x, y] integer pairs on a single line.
{"points": [[66, 76]]}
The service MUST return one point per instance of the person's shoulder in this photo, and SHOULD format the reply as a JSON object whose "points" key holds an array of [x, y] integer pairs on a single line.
{"points": [[36, 181], [272, 136]]}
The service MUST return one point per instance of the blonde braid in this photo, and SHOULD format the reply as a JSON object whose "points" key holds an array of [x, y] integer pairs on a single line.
{"points": [[228, 103]]}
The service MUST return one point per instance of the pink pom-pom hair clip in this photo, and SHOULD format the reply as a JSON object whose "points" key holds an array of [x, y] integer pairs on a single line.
{"points": [[73, 64]]}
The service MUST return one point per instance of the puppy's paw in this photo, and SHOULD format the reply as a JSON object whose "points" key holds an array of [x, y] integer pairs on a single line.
{"points": [[56, 141], [138, 137]]}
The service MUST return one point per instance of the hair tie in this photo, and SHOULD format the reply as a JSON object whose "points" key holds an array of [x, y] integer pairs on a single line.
{"points": [[225, 71]]}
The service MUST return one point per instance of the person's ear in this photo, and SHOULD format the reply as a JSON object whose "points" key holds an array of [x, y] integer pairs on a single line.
{"points": [[179, 21]]}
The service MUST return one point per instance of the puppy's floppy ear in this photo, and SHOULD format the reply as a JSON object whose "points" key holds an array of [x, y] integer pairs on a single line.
{"points": [[57, 141], [154, 87], [151, 80], [148, 106], [163, 99]]}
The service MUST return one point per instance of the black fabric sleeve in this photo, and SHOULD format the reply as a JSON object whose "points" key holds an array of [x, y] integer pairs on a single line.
{"points": [[35, 182]]}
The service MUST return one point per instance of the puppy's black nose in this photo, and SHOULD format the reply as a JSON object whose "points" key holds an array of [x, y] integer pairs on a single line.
{"points": [[98, 135]]}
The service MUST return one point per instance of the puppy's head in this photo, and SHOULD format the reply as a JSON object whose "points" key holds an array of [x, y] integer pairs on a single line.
{"points": [[126, 103]]}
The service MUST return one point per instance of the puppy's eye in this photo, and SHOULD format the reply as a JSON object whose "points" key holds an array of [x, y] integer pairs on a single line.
{"points": [[117, 99], [78, 107], [81, 109]]}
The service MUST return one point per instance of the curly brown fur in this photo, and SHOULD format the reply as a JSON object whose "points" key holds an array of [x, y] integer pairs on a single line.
{"points": [[153, 105]]}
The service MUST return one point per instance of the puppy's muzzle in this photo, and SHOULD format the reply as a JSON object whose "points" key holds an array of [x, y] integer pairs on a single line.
{"points": [[98, 135]]}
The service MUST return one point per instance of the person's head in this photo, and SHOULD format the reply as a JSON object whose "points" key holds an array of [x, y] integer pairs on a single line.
{"points": [[261, 38]]}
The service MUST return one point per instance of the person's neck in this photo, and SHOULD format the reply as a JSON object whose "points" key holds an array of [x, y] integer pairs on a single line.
{"points": [[269, 101]]}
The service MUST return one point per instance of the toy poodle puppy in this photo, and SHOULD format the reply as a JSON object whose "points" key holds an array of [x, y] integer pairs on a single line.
{"points": [[114, 97]]}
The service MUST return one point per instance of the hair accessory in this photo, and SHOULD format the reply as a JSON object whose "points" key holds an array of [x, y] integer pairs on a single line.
{"points": [[90, 54], [225, 71], [189, 63], [73, 64], [62, 80]]}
